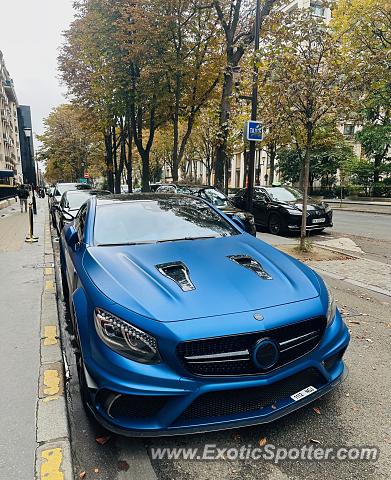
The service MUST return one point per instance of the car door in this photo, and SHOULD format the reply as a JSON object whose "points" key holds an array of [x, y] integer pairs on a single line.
{"points": [[74, 255], [260, 207]]}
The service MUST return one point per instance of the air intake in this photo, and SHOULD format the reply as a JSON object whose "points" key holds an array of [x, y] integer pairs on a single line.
{"points": [[177, 272], [248, 262]]}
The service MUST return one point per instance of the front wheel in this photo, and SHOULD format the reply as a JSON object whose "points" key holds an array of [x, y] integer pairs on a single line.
{"points": [[275, 224]]}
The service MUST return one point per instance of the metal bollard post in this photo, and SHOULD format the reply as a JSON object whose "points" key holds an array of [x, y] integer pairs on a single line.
{"points": [[30, 237]]}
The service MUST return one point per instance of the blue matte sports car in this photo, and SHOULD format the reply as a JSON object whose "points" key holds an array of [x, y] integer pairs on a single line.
{"points": [[186, 323]]}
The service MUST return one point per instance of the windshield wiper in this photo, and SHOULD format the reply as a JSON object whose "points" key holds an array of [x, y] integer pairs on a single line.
{"points": [[189, 238], [123, 243]]}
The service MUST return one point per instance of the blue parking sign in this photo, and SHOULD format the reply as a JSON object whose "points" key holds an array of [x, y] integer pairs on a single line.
{"points": [[254, 131]]}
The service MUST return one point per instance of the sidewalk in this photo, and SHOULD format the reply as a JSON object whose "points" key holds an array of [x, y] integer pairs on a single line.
{"points": [[370, 274], [361, 206], [21, 283], [34, 436]]}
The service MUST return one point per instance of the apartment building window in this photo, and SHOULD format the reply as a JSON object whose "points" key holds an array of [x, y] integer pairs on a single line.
{"points": [[348, 130], [317, 9]]}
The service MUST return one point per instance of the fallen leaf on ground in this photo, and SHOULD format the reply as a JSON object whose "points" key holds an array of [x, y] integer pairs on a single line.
{"points": [[369, 340], [316, 410], [96, 470], [354, 322], [103, 440], [82, 474], [262, 441], [313, 440], [123, 465]]}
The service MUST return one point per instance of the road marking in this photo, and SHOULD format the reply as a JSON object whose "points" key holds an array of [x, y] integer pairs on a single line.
{"points": [[49, 285], [51, 464], [50, 335], [49, 271], [51, 381]]}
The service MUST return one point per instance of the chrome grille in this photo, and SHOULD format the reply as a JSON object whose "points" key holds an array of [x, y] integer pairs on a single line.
{"points": [[233, 354]]}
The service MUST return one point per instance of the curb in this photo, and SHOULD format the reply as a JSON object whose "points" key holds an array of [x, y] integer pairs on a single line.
{"points": [[374, 212], [371, 288], [53, 459]]}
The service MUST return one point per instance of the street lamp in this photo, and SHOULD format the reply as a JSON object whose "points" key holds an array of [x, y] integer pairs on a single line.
{"points": [[254, 105], [27, 132]]}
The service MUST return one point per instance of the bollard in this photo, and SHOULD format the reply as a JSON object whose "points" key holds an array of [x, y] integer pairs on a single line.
{"points": [[30, 237]]}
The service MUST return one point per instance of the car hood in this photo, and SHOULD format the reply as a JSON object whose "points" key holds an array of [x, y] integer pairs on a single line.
{"points": [[128, 276]]}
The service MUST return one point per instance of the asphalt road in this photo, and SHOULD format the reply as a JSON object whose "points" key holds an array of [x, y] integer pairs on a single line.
{"points": [[370, 231], [370, 225], [356, 413]]}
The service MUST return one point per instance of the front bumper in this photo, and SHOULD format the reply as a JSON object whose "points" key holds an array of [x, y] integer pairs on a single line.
{"points": [[172, 396], [294, 222]]}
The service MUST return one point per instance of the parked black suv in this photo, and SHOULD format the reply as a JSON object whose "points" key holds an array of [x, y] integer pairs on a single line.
{"points": [[223, 203], [279, 209]]}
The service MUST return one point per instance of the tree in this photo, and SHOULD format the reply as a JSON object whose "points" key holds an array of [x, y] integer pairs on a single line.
{"points": [[69, 146], [329, 153], [236, 19], [365, 26], [307, 77]]}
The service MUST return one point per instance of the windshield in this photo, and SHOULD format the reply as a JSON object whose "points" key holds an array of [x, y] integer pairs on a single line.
{"points": [[76, 200], [64, 187], [160, 220], [284, 194], [215, 197]]}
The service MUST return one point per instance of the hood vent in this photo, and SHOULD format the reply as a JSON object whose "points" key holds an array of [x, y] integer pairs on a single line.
{"points": [[248, 262], [179, 273]]}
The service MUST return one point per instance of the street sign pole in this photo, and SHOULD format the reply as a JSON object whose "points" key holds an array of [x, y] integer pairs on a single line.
{"points": [[254, 105]]}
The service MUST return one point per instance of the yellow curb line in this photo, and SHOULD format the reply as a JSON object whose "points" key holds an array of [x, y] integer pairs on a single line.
{"points": [[51, 464], [50, 335]]}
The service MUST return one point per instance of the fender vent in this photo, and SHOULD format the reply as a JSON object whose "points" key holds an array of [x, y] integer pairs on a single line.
{"points": [[248, 262], [179, 273]]}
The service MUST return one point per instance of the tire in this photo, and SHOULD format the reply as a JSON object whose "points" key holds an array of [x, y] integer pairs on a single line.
{"points": [[275, 224]]}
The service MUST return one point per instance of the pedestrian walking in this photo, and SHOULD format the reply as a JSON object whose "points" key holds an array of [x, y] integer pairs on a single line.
{"points": [[23, 195]]}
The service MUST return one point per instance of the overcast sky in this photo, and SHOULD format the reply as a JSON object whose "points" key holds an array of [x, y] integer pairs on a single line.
{"points": [[30, 35]]}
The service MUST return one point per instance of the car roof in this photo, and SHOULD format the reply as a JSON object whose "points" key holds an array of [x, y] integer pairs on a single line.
{"points": [[132, 197]]}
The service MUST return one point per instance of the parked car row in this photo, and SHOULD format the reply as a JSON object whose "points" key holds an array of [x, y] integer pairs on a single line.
{"points": [[186, 323]]}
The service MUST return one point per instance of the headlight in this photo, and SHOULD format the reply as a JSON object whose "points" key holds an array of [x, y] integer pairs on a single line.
{"points": [[331, 308], [293, 211], [126, 339]]}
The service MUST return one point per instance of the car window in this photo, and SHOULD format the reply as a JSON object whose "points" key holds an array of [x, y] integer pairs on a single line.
{"points": [[76, 200], [80, 222], [215, 197], [160, 220], [64, 187], [260, 195], [284, 194]]}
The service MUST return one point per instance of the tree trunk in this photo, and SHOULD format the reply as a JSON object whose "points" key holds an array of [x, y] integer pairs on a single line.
{"points": [[225, 110], [272, 158], [109, 160], [129, 162], [305, 180]]}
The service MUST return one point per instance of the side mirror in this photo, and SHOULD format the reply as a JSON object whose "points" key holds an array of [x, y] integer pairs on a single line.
{"points": [[238, 222], [71, 236]]}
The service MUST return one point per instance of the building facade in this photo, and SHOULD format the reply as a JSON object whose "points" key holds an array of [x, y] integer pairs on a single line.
{"points": [[10, 159], [27, 145]]}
